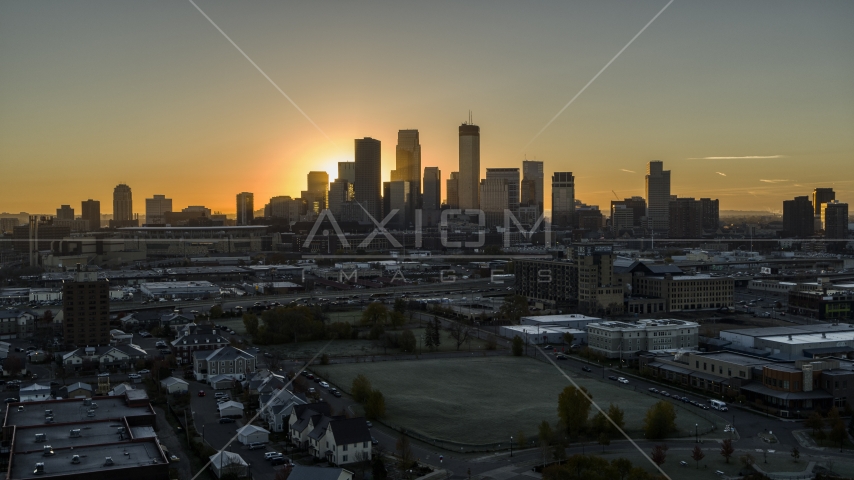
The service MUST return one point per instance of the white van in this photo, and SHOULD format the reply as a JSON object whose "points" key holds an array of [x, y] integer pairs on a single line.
{"points": [[718, 405]]}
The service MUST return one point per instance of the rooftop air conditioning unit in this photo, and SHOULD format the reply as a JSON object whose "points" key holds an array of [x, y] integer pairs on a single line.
{"points": [[108, 462], [75, 433], [40, 437], [48, 413], [75, 459], [39, 468], [47, 451]]}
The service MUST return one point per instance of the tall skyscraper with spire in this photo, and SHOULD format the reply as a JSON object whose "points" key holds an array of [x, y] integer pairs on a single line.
{"points": [[408, 164], [469, 179], [657, 197]]}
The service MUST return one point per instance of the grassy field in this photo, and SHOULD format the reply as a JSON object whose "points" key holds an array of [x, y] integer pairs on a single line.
{"points": [[481, 400]]}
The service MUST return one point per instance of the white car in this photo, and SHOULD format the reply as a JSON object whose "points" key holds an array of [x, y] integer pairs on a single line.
{"points": [[272, 455], [622, 380], [323, 384]]}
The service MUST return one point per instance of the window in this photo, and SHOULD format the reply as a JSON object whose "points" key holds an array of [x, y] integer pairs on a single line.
{"points": [[345, 458], [345, 448]]}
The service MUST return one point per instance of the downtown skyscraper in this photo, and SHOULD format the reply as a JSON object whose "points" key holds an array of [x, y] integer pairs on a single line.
{"points": [[532, 184], [432, 197], [245, 208], [657, 197], [368, 187], [122, 203], [511, 177], [91, 211], [469, 178], [408, 164], [563, 199]]}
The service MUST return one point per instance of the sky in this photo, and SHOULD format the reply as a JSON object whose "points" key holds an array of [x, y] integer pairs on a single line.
{"points": [[748, 102]]}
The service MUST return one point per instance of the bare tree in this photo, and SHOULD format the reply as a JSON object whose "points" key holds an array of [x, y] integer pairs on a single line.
{"points": [[460, 333]]}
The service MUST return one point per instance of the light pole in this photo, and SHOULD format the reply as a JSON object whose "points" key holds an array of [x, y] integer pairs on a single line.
{"points": [[511, 446], [696, 433]]}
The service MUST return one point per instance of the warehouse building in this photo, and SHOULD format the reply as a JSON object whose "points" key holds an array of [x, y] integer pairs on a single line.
{"points": [[179, 289]]}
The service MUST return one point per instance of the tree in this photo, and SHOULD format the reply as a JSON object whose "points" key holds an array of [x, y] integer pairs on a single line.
{"points": [[460, 333], [837, 432], [622, 466], [568, 338], [216, 311], [727, 449], [518, 346], [814, 422], [404, 451], [361, 388], [604, 440], [697, 454], [408, 341], [747, 460], [573, 409], [659, 454], [375, 405], [514, 308], [796, 454], [378, 469], [616, 415], [250, 321], [13, 364], [544, 433], [398, 319], [435, 333], [599, 424], [375, 314], [399, 305], [660, 420]]}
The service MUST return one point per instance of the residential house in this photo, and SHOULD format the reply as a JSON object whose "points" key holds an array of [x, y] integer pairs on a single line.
{"points": [[226, 463], [175, 385], [223, 361], [302, 472], [76, 390], [175, 320], [16, 324], [104, 356], [300, 421], [230, 409], [277, 407], [347, 440], [35, 393], [192, 338], [119, 337]]}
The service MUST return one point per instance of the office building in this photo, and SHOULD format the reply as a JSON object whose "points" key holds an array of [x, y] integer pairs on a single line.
{"points": [[657, 197], [408, 164], [820, 196], [86, 310], [563, 199], [7, 225], [834, 219], [549, 283], [587, 217], [367, 190], [347, 171], [245, 208], [400, 199], [599, 290], [432, 196], [453, 188], [340, 191], [91, 211], [156, 208], [624, 340], [685, 292], [65, 212], [532, 186], [285, 207], [798, 217], [622, 218], [469, 178], [686, 218], [637, 206], [122, 203], [494, 200], [711, 214], [511, 177], [316, 196]]}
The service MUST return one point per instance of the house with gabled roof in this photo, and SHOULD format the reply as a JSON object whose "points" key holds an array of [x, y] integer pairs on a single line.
{"points": [[194, 337], [223, 361], [347, 440]]}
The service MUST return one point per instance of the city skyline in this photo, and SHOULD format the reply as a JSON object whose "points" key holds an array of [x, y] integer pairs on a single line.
{"points": [[737, 113]]}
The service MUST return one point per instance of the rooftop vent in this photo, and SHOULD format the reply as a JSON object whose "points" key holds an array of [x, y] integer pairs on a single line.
{"points": [[75, 459], [121, 430], [47, 451], [108, 462], [90, 413], [87, 402], [48, 419], [40, 437], [48, 413], [39, 468], [75, 433], [790, 337]]}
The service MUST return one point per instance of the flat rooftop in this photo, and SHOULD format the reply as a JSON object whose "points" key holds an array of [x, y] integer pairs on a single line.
{"points": [[59, 436], [573, 317], [92, 459], [71, 411], [813, 338], [734, 358], [791, 330]]}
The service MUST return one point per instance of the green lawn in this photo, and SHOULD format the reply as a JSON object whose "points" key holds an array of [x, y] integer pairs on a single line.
{"points": [[481, 400]]}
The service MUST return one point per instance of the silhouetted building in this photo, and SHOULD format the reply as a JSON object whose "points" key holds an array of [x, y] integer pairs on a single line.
{"points": [[532, 186], [453, 188], [657, 196], [65, 212], [493, 199], [245, 208], [155, 209], [798, 217], [637, 205], [408, 164], [820, 196], [347, 171], [340, 191], [711, 214], [834, 218], [91, 211], [469, 179], [122, 203], [400, 198], [563, 199], [686, 218], [369, 176], [511, 177], [432, 196], [86, 310]]}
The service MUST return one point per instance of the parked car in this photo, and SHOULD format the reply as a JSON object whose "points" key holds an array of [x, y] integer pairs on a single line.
{"points": [[323, 384], [337, 394], [653, 389], [226, 420], [548, 347], [144, 372], [369, 424], [256, 445], [202, 393], [270, 455], [622, 380], [561, 357], [374, 441], [612, 377], [312, 390], [280, 460]]}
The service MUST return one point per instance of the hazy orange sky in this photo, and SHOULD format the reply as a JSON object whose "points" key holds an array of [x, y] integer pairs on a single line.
{"points": [[151, 94]]}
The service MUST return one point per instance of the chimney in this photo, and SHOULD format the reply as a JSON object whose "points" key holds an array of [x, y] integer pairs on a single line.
{"points": [[807, 381]]}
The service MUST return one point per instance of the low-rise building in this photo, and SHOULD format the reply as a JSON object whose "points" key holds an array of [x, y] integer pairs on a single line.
{"points": [[686, 292], [175, 385], [303, 472], [230, 409], [615, 339], [194, 338], [348, 440], [223, 361], [252, 434], [76, 390], [103, 356], [34, 393]]}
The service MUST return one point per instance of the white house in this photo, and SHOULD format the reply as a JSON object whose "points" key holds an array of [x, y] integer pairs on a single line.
{"points": [[230, 409], [347, 440], [175, 385], [302, 472], [119, 355], [221, 382], [223, 361], [303, 420], [277, 408], [252, 434], [228, 462], [35, 393]]}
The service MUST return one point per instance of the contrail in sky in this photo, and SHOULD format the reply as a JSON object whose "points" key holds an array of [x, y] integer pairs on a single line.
{"points": [[262, 72], [600, 73]]}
